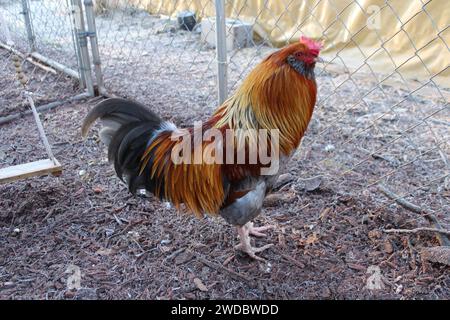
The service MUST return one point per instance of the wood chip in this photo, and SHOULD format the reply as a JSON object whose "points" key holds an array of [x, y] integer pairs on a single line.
{"points": [[437, 254], [312, 238], [324, 214], [183, 258], [388, 248], [200, 285], [228, 260], [291, 259], [282, 238], [104, 252], [355, 266], [189, 296], [97, 190]]}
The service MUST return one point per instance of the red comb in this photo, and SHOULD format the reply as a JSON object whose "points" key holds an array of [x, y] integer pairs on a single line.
{"points": [[311, 44]]}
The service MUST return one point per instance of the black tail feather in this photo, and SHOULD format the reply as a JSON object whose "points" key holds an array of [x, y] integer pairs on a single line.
{"points": [[127, 129], [121, 111]]}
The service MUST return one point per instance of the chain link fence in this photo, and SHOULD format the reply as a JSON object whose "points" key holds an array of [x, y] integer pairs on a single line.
{"points": [[382, 115], [42, 34], [40, 67]]}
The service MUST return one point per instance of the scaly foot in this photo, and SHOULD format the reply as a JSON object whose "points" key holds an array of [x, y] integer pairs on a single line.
{"points": [[245, 246], [257, 231]]}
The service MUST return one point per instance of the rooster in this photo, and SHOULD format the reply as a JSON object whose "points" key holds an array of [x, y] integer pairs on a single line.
{"points": [[278, 95]]}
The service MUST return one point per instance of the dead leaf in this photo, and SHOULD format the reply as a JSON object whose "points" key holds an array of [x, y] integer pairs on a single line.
{"points": [[311, 184], [311, 239], [388, 247], [374, 234], [355, 266], [200, 285]]}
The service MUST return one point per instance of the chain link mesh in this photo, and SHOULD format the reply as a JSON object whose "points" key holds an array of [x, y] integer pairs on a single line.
{"points": [[136, 44], [47, 34]]}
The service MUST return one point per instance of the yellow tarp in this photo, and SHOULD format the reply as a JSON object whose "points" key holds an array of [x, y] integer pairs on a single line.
{"points": [[405, 38]]}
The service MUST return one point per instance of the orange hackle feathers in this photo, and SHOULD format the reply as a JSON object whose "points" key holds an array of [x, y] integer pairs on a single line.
{"points": [[273, 96]]}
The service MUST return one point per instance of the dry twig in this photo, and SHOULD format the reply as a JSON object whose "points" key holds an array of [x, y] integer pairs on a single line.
{"points": [[233, 274], [420, 229], [442, 237]]}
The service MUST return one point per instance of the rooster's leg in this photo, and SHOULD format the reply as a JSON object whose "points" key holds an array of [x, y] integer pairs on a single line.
{"points": [[244, 236]]}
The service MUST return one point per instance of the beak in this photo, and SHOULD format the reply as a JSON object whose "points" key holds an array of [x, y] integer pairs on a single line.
{"points": [[319, 60]]}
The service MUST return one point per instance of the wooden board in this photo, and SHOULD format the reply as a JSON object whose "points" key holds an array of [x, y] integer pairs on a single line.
{"points": [[31, 169]]}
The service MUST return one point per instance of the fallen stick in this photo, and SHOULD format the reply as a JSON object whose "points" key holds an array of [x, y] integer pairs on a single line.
{"points": [[420, 229], [404, 203], [174, 254], [50, 62], [233, 274], [442, 237], [42, 108], [291, 260], [29, 59], [40, 65]]}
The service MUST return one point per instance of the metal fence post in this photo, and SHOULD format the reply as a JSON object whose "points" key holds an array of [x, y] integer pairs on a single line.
{"points": [[75, 14], [28, 25], [221, 48], [81, 39], [92, 30]]}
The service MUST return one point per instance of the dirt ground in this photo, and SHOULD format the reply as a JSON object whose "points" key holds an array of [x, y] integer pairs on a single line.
{"points": [[328, 232]]}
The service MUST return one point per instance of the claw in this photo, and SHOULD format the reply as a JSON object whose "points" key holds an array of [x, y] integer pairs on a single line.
{"points": [[245, 246], [258, 231], [252, 251]]}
